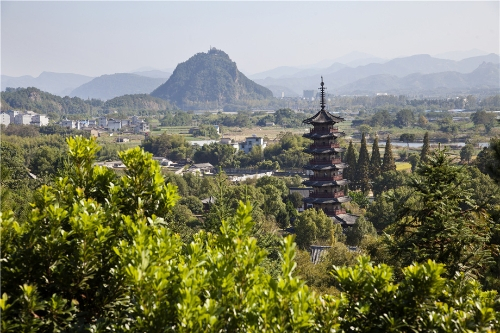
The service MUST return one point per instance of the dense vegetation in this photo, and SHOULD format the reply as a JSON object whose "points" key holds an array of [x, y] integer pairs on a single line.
{"points": [[102, 252]]}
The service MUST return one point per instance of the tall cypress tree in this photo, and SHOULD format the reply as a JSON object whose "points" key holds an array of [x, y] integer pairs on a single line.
{"points": [[425, 148], [375, 164], [388, 163], [350, 160], [363, 167]]}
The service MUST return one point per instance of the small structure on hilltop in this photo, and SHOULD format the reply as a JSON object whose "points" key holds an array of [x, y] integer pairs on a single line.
{"points": [[327, 178]]}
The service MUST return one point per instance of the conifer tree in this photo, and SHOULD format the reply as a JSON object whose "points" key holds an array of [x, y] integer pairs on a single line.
{"points": [[444, 223], [375, 164], [350, 160], [388, 163], [425, 148], [363, 167]]}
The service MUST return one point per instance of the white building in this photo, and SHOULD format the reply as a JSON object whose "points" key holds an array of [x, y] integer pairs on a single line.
{"points": [[125, 122], [102, 122], [4, 119], [229, 141], [114, 125], [22, 119], [141, 127], [68, 123], [40, 120], [251, 142], [12, 114]]}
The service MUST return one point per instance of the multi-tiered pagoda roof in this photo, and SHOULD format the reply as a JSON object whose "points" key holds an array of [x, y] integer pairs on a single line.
{"points": [[326, 166]]}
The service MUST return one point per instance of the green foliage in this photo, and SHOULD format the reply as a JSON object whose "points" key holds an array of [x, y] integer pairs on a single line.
{"points": [[100, 253], [359, 198], [404, 118], [414, 159], [442, 222], [216, 154], [422, 302], [362, 175], [488, 119], [386, 207], [407, 137], [172, 146], [388, 164], [425, 148], [39, 101], [467, 152], [63, 255], [288, 152], [136, 102], [389, 180], [356, 233], [313, 226], [381, 119], [350, 160], [375, 161]]}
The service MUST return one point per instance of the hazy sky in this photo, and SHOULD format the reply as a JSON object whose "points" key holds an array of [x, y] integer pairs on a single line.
{"points": [[95, 38]]}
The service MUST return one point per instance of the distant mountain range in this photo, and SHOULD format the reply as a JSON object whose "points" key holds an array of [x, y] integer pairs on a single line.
{"points": [[346, 77], [207, 80], [109, 86], [60, 84], [485, 77]]}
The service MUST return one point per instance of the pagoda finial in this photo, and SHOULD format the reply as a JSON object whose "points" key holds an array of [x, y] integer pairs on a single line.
{"points": [[322, 94]]}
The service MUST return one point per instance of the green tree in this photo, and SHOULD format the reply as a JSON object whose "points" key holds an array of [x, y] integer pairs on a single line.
{"points": [[407, 137], [313, 226], [356, 233], [414, 159], [467, 152], [388, 164], [425, 148], [381, 119], [172, 146], [488, 119], [350, 160], [442, 222], [375, 164], [413, 304], [404, 118], [363, 167]]}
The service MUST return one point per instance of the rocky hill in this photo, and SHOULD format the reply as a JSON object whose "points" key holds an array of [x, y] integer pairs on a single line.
{"points": [[208, 79]]}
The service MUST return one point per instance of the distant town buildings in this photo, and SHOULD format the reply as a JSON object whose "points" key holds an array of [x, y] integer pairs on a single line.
{"points": [[309, 94], [251, 142], [23, 118]]}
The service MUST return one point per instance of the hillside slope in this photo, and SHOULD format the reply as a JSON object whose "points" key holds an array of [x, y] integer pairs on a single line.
{"points": [[209, 78]]}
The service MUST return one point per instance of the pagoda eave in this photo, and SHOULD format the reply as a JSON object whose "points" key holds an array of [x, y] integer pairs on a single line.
{"points": [[324, 150], [321, 183], [323, 136], [321, 167], [326, 200]]}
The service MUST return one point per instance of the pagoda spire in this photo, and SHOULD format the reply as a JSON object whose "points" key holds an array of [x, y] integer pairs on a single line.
{"points": [[322, 94]]}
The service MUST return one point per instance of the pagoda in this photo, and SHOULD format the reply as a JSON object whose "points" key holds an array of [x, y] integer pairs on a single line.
{"points": [[326, 166]]}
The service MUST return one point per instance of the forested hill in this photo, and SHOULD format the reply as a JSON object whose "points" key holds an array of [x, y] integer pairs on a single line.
{"points": [[138, 102], [210, 78], [43, 102]]}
